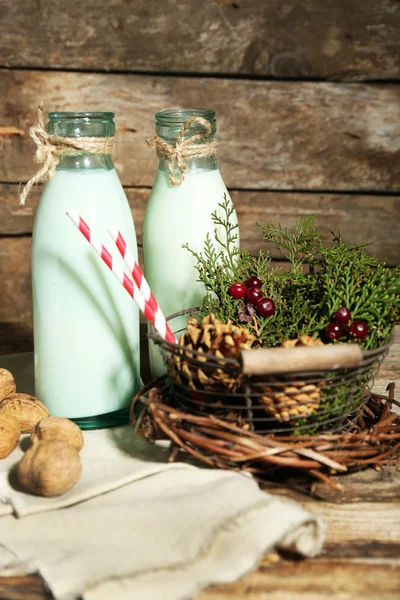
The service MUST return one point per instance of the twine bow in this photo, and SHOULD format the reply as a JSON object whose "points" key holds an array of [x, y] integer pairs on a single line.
{"points": [[50, 149], [179, 154]]}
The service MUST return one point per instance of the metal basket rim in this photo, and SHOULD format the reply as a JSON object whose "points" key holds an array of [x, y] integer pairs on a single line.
{"points": [[230, 362]]}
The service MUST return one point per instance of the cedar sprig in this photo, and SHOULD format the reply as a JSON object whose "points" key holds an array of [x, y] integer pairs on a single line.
{"points": [[320, 280], [300, 247]]}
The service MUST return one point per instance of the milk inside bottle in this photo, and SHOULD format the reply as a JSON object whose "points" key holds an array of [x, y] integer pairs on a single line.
{"points": [[186, 191], [86, 327]]}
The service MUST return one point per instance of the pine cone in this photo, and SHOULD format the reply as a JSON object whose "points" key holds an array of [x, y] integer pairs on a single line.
{"points": [[210, 338], [297, 399]]}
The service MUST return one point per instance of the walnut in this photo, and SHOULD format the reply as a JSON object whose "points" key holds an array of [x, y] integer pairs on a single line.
{"points": [[25, 409], [7, 384], [49, 468], [10, 432], [60, 429]]}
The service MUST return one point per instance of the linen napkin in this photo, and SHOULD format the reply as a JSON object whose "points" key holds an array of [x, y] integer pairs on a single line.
{"points": [[110, 458], [136, 526]]}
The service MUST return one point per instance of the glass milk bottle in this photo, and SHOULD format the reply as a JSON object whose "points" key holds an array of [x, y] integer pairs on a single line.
{"points": [[187, 189], [86, 327]]}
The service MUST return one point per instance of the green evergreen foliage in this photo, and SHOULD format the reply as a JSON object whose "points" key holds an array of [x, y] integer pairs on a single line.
{"points": [[320, 280]]}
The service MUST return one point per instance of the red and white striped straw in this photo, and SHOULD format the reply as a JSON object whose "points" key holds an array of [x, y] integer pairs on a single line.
{"points": [[133, 267], [139, 278], [122, 277]]}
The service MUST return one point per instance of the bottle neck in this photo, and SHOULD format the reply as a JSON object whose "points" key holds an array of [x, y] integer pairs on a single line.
{"points": [[87, 127], [85, 161], [185, 129], [194, 165]]}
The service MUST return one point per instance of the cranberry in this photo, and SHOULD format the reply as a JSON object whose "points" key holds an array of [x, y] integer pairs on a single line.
{"points": [[343, 315], [266, 307], [358, 330], [253, 295], [334, 331], [237, 290], [253, 282]]}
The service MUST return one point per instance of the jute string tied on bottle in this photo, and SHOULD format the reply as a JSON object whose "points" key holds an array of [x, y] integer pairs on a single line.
{"points": [[50, 149], [179, 154]]}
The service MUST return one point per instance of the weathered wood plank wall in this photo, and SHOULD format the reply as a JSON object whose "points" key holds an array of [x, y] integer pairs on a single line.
{"points": [[273, 135], [306, 94], [334, 39]]}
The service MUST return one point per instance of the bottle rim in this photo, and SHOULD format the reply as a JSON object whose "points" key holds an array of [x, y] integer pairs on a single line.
{"points": [[108, 116], [177, 116]]}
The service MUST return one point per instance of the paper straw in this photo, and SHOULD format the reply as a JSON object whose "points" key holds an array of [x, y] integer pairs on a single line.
{"points": [[138, 277], [122, 277]]}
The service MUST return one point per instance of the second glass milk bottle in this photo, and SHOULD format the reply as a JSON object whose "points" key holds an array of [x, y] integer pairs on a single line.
{"points": [[187, 189], [86, 327]]}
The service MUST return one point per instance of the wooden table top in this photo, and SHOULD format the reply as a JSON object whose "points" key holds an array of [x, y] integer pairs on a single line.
{"points": [[361, 555]]}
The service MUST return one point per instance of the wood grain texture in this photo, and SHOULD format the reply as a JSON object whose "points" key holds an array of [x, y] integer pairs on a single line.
{"points": [[312, 580], [16, 337], [29, 587], [361, 218], [371, 485], [16, 296], [359, 522], [273, 135], [333, 39]]}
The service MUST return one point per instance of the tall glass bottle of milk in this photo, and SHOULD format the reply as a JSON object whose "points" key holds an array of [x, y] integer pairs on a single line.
{"points": [[86, 327], [188, 188]]}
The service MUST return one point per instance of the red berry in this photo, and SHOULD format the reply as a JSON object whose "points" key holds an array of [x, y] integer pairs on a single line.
{"points": [[266, 307], [358, 330], [334, 331], [253, 282], [343, 315], [253, 295], [237, 290]]}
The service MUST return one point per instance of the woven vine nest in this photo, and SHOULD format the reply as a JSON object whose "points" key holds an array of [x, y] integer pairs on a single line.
{"points": [[318, 422], [370, 437], [206, 378]]}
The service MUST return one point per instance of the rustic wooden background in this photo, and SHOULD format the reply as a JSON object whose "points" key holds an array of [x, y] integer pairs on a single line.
{"points": [[307, 97]]}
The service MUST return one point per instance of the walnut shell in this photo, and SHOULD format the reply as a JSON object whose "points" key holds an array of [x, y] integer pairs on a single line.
{"points": [[49, 468], [60, 429], [7, 384], [10, 432], [25, 409]]}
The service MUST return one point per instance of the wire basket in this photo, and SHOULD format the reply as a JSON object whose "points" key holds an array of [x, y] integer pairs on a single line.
{"points": [[296, 403]]}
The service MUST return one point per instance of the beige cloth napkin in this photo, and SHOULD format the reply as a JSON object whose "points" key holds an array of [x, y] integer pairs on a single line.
{"points": [[138, 527]]}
